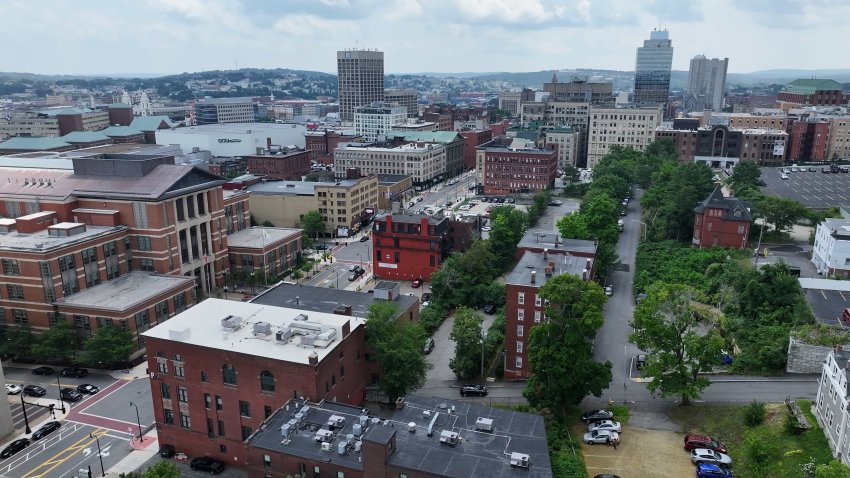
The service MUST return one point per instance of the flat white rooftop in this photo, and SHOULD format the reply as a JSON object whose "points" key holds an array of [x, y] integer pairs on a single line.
{"points": [[201, 326], [254, 237], [41, 241], [124, 292]]}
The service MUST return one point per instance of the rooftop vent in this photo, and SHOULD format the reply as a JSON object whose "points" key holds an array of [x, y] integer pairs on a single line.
{"points": [[484, 424], [519, 460], [231, 322], [324, 435], [262, 328], [411, 427], [326, 446], [300, 317], [342, 447], [336, 421], [449, 437]]}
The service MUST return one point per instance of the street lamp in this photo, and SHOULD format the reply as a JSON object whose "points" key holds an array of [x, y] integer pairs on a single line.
{"points": [[252, 282], [26, 420], [645, 227], [61, 402], [336, 271], [99, 454], [138, 420]]}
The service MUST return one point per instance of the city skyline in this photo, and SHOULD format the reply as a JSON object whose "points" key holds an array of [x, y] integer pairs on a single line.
{"points": [[168, 36]]}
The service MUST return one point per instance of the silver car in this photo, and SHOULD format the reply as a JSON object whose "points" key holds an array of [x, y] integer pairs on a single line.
{"points": [[601, 436], [704, 455], [605, 425]]}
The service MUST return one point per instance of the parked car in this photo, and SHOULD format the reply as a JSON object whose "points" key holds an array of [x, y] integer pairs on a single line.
{"points": [[783, 176], [597, 415], [609, 290], [364, 238], [356, 274], [87, 389], [486, 228], [167, 451], [426, 297], [640, 297], [34, 391], [416, 283], [70, 394], [601, 436], [824, 170], [556, 202], [623, 212], [12, 389], [605, 425], [702, 441], [710, 470], [15, 447], [321, 247], [640, 361], [606, 476], [42, 371], [353, 268], [205, 463], [811, 170], [76, 372], [620, 225], [46, 429], [704, 455], [429, 345], [477, 390], [489, 309]]}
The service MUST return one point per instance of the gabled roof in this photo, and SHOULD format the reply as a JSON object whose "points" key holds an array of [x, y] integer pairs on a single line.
{"points": [[736, 210], [33, 144], [444, 137], [85, 137], [120, 131], [151, 123]]}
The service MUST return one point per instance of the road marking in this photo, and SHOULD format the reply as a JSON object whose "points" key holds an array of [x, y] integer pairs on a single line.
{"points": [[53, 462]]}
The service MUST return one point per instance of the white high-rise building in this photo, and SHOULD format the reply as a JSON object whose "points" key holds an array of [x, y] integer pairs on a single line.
{"points": [[360, 76], [374, 120], [652, 69], [706, 83]]}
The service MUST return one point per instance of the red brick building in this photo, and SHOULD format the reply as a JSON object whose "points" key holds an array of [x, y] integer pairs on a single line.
{"points": [[286, 165], [221, 368], [321, 145], [407, 247], [120, 114], [542, 256], [267, 250], [721, 221], [809, 141], [473, 139], [811, 92], [509, 169], [444, 121]]}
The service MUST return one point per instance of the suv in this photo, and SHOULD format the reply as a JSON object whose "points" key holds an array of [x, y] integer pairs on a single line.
{"points": [[476, 390], [76, 372], [34, 391], [205, 463], [702, 441], [429, 345], [70, 394]]}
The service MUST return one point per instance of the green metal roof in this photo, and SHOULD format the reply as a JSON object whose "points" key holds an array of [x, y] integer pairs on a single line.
{"points": [[150, 123], [33, 144], [118, 105], [85, 137], [120, 131], [444, 137], [810, 85]]}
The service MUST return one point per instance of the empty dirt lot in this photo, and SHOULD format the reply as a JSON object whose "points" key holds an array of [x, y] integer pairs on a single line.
{"points": [[644, 453]]}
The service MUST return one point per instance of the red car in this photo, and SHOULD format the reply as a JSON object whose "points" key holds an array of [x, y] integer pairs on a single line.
{"points": [[418, 282], [702, 441]]}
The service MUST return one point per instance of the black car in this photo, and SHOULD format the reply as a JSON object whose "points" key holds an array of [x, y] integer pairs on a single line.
{"points": [[426, 297], [597, 416], [70, 394], [167, 451], [429, 345], [34, 391], [15, 447], [76, 372], [46, 429], [489, 309], [364, 238], [321, 247], [473, 390], [87, 389], [42, 371], [205, 463], [623, 212]]}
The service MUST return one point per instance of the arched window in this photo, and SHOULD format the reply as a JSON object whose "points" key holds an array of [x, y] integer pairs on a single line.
{"points": [[228, 374], [266, 381]]}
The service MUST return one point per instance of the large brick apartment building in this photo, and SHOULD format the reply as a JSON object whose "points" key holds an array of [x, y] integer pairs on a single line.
{"points": [[517, 166], [407, 247]]}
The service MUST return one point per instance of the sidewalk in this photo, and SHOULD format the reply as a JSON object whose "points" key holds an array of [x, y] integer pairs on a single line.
{"points": [[139, 455]]}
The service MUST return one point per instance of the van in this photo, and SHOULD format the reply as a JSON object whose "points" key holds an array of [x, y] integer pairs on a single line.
{"points": [[846, 315]]}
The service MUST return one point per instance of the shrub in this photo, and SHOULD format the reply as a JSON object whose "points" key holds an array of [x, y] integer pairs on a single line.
{"points": [[754, 414]]}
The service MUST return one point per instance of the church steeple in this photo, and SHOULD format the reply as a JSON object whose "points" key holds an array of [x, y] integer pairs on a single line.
{"points": [[554, 77]]}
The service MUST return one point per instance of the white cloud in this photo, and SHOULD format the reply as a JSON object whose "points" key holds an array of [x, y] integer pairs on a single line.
{"points": [[311, 25], [335, 3], [508, 11], [402, 9]]}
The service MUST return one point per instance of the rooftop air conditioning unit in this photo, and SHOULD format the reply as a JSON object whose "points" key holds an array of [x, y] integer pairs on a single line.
{"points": [[231, 322], [326, 446], [520, 460], [262, 328], [484, 424], [336, 421]]}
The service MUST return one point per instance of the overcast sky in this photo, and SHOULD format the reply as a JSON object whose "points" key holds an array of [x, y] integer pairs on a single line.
{"points": [[173, 36]]}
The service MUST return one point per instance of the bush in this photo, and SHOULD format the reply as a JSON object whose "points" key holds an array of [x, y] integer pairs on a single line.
{"points": [[761, 452], [566, 464], [754, 414], [432, 316]]}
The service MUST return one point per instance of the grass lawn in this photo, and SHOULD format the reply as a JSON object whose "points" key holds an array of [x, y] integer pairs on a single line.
{"points": [[785, 453]]}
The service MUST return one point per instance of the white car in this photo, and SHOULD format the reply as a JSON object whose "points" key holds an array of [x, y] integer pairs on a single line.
{"points": [[783, 176], [12, 389], [601, 436], [605, 425], [704, 455], [486, 228], [609, 290]]}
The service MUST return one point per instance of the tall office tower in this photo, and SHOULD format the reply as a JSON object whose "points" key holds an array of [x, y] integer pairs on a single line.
{"points": [[706, 82], [652, 69], [361, 79]]}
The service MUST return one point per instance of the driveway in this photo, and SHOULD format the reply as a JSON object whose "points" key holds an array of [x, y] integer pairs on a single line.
{"points": [[645, 453]]}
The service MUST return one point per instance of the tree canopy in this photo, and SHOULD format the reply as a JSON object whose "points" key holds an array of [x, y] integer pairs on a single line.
{"points": [[507, 226], [467, 335], [313, 224], [109, 346], [59, 342], [397, 347]]}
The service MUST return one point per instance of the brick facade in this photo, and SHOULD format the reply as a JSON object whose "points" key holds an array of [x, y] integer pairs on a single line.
{"points": [[408, 247]]}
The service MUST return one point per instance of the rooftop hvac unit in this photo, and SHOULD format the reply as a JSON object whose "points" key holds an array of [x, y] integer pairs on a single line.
{"points": [[336, 421], [349, 438], [305, 409], [341, 447], [324, 435], [484, 424], [448, 437], [283, 335], [231, 322], [519, 460], [357, 446], [376, 420], [284, 429], [300, 317], [299, 416], [364, 420], [357, 429], [326, 446], [411, 427], [262, 328]]}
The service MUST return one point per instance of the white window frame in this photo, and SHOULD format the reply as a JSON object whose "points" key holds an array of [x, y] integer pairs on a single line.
{"points": [[519, 346], [520, 315], [520, 330], [518, 361], [520, 298]]}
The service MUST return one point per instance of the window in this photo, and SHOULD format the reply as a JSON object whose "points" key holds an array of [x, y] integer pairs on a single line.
{"points": [[267, 461], [244, 409], [20, 317], [266, 381], [519, 330], [222, 448], [11, 268], [267, 410], [228, 374], [16, 291], [146, 264], [168, 415], [519, 347], [179, 302], [740, 228], [184, 421], [518, 362], [161, 362], [520, 315], [219, 404], [340, 474], [210, 428], [537, 316], [182, 395], [207, 401], [163, 388], [520, 298], [204, 377], [47, 281], [537, 300], [179, 370], [246, 432], [220, 428]]}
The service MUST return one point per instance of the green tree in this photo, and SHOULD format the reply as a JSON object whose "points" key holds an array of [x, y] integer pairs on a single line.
{"points": [[746, 174], [668, 326], [162, 469], [560, 353], [781, 212], [508, 225], [59, 342], [109, 346], [267, 223], [397, 347], [311, 178], [834, 469], [16, 341], [464, 279], [466, 334], [571, 173], [313, 224]]}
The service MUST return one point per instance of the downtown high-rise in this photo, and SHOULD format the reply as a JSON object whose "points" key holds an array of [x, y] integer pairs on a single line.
{"points": [[706, 82], [652, 69], [360, 74]]}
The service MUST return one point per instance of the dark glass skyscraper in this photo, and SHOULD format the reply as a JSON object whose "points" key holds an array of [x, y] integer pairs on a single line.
{"points": [[652, 69]]}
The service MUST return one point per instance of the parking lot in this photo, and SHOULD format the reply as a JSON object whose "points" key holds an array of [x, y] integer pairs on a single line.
{"points": [[645, 453], [827, 305], [812, 189]]}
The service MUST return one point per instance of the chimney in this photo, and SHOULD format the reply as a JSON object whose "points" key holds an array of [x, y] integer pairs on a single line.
{"points": [[269, 144], [548, 271], [313, 358], [545, 254], [533, 277]]}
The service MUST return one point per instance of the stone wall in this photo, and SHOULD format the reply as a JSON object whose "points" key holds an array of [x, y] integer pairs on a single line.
{"points": [[806, 358]]}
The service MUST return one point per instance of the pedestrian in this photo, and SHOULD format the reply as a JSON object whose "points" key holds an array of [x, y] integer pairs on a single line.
{"points": [[608, 440], [614, 444]]}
